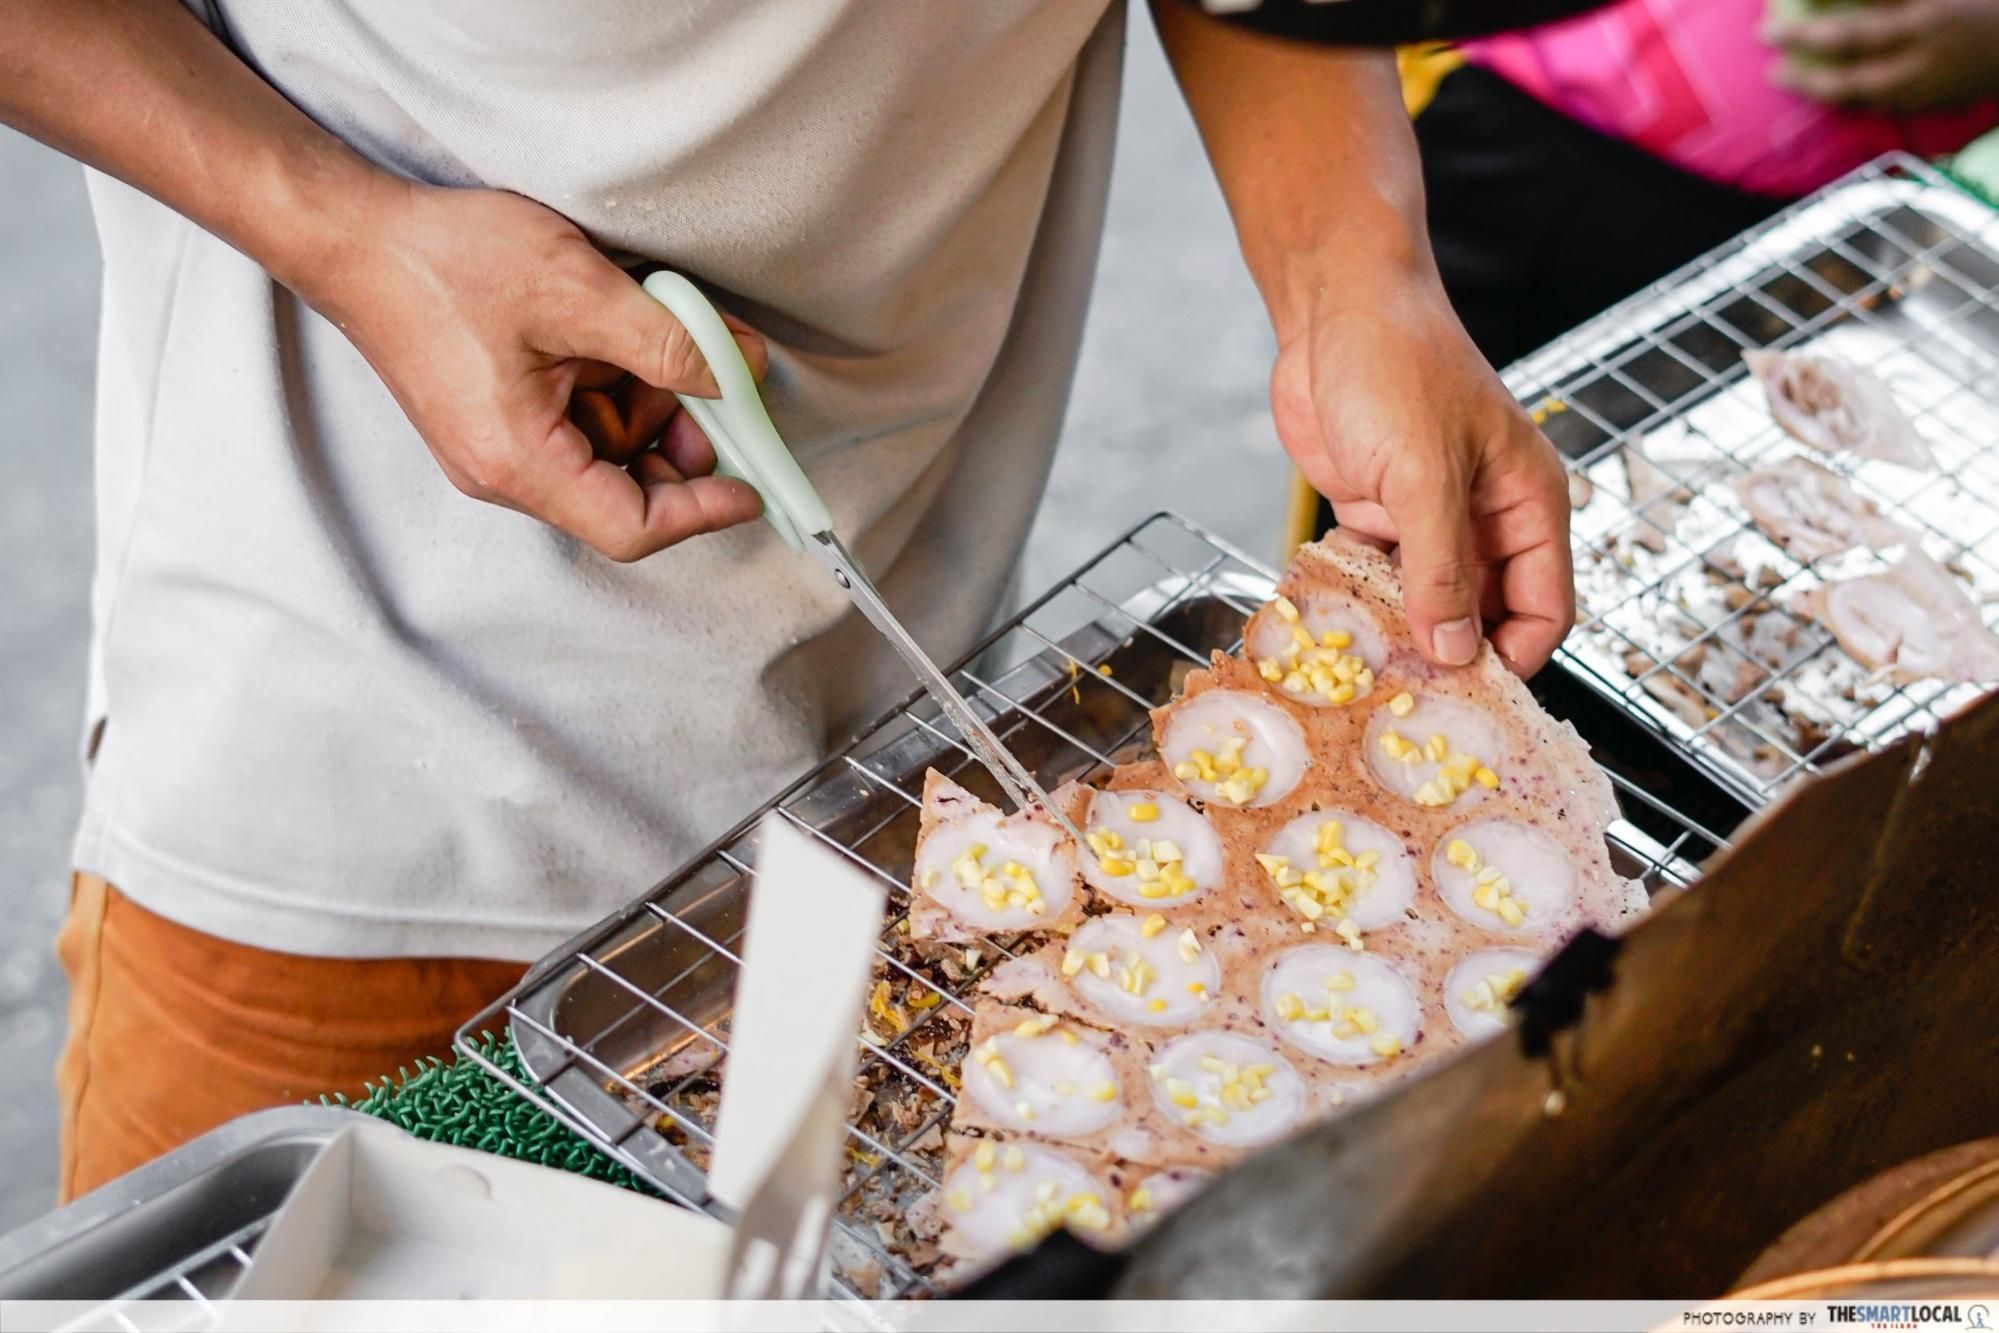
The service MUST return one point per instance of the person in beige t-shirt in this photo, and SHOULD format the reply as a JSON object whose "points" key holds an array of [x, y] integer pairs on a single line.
{"points": [[358, 744]]}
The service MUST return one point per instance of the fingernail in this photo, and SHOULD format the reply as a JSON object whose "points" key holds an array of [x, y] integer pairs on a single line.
{"points": [[1455, 642]]}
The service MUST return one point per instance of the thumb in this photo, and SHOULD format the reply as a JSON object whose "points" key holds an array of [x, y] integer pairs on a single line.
{"points": [[1439, 566], [635, 333]]}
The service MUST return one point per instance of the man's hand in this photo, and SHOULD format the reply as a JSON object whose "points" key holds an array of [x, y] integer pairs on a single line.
{"points": [[1897, 55], [1391, 414], [1379, 396], [538, 372]]}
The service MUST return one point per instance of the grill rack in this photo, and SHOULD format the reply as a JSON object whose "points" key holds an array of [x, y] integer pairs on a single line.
{"points": [[619, 1028], [1893, 265]]}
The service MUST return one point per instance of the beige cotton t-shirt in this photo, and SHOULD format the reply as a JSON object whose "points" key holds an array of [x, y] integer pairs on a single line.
{"points": [[338, 708]]}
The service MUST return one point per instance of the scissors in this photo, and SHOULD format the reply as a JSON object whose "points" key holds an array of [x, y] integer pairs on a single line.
{"points": [[748, 447]]}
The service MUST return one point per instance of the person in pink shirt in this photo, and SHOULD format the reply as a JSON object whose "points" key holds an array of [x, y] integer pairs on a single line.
{"points": [[1571, 164]]}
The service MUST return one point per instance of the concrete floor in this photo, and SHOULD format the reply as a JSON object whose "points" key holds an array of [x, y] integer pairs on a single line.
{"points": [[48, 325], [1172, 381]]}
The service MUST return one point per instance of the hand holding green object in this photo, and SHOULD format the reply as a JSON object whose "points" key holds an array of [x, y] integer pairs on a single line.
{"points": [[747, 445], [538, 373], [1895, 55]]}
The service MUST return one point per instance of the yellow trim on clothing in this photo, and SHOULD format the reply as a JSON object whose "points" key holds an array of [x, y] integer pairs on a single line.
{"points": [[1301, 517], [1422, 68]]}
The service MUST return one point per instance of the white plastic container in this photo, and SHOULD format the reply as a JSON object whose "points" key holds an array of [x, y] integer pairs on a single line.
{"points": [[381, 1215]]}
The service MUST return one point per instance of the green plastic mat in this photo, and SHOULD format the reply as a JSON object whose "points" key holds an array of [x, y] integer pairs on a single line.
{"points": [[459, 1103]]}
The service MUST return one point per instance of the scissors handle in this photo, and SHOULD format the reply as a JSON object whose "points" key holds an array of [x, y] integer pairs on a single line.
{"points": [[747, 445]]}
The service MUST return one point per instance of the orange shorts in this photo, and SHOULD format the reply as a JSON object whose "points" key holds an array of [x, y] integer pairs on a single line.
{"points": [[172, 1032]]}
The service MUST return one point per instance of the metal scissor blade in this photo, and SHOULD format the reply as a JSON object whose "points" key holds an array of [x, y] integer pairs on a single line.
{"points": [[1008, 771]]}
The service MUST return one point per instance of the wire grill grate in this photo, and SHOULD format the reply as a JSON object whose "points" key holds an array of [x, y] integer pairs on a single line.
{"points": [[625, 1030], [1683, 607]]}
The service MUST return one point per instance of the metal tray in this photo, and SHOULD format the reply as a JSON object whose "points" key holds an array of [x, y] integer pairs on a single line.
{"points": [[179, 1229], [622, 1029], [1894, 268]]}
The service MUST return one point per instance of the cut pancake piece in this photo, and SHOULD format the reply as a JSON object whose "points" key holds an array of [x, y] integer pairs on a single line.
{"points": [[1479, 987], [1912, 623], [1657, 497], [1335, 863], [979, 871], [1232, 748], [1323, 650], [1838, 408], [1812, 511], [1008, 1195], [1042, 1076], [1134, 969], [1149, 849], [1348, 1008], [1435, 750], [1230, 1090], [1504, 875]]}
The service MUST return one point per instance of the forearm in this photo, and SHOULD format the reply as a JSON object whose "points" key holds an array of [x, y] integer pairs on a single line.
{"points": [[1314, 154], [143, 91]]}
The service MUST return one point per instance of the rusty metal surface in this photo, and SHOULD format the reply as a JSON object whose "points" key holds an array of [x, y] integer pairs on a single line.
{"points": [[1817, 1011]]}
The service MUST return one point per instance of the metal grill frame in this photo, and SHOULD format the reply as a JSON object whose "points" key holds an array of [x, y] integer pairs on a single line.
{"points": [[614, 1108], [1808, 269]]}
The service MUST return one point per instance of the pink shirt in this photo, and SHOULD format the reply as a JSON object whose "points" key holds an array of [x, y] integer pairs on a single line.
{"points": [[1688, 81]]}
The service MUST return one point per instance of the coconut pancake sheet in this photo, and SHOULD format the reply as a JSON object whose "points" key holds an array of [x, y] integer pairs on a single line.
{"points": [[1341, 863]]}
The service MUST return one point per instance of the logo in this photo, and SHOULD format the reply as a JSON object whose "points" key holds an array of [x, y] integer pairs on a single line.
{"points": [[1901, 1315]]}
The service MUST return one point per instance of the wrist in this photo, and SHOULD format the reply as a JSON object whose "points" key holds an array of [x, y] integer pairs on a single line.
{"points": [[318, 212], [1343, 281], [1371, 262]]}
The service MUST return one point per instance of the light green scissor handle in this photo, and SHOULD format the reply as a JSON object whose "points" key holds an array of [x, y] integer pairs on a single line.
{"points": [[747, 445]]}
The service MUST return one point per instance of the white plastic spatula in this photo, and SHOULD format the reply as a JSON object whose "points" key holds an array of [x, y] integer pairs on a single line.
{"points": [[800, 994]]}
